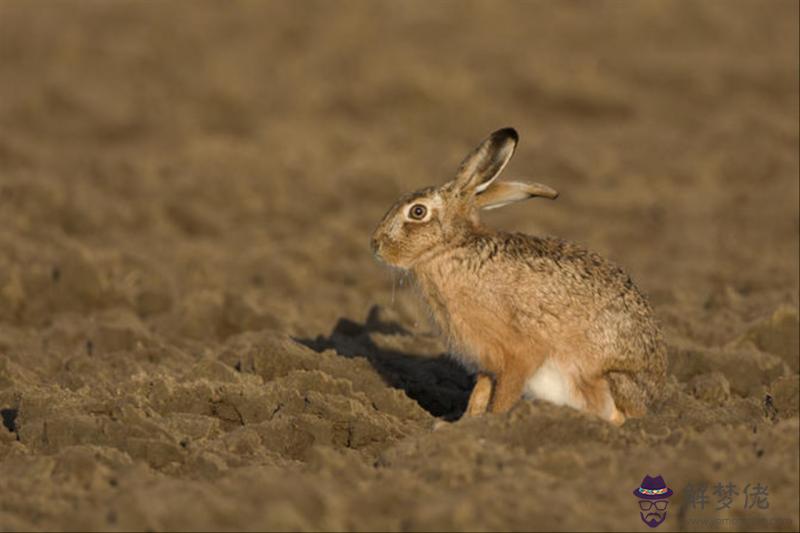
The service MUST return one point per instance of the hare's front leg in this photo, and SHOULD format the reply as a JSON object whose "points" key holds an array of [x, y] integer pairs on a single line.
{"points": [[481, 394], [508, 388]]}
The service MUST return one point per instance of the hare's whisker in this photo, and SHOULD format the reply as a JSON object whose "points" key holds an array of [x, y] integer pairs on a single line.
{"points": [[394, 283]]}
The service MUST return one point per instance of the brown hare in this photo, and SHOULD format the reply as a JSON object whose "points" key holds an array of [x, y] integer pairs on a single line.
{"points": [[535, 317]]}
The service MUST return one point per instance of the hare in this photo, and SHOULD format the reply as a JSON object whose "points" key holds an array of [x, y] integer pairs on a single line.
{"points": [[533, 317]]}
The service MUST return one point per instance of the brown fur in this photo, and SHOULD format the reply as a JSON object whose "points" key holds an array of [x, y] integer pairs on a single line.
{"points": [[509, 302]]}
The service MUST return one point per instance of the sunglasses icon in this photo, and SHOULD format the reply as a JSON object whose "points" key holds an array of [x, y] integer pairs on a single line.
{"points": [[646, 505]]}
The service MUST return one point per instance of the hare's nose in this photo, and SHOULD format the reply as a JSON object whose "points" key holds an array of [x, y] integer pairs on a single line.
{"points": [[375, 245]]}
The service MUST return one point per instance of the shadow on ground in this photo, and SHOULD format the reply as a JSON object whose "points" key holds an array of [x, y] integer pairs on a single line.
{"points": [[439, 384]]}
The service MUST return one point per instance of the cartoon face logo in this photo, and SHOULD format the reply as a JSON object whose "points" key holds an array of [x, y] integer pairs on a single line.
{"points": [[653, 512], [653, 502]]}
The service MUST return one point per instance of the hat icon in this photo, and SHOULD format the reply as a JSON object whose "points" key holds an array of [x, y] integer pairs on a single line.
{"points": [[653, 488]]}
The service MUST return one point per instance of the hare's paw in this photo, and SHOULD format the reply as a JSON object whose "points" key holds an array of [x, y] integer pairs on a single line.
{"points": [[440, 423], [480, 397]]}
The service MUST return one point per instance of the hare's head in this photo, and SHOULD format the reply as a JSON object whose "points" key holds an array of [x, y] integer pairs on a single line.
{"points": [[424, 223]]}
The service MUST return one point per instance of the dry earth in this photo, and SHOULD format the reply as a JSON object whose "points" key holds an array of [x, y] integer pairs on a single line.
{"points": [[194, 335]]}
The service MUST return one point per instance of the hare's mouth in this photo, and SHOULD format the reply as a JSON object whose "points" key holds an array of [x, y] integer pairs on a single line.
{"points": [[379, 253], [386, 261], [375, 246], [386, 255]]}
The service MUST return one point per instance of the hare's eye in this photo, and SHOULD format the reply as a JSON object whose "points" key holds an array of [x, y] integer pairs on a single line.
{"points": [[418, 211]]}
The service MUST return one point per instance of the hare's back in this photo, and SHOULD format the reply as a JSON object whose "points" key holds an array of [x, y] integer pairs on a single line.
{"points": [[571, 281], [567, 260]]}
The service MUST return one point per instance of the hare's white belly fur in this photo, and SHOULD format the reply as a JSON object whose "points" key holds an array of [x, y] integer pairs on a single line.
{"points": [[552, 384]]}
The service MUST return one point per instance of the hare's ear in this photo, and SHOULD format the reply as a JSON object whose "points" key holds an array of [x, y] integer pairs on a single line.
{"points": [[484, 164], [508, 192]]}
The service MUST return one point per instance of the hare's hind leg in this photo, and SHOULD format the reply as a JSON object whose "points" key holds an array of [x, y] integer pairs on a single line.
{"points": [[629, 395], [600, 401], [481, 395]]}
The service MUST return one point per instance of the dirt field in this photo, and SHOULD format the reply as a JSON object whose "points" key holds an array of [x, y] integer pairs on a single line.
{"points": [[193, 331]]}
